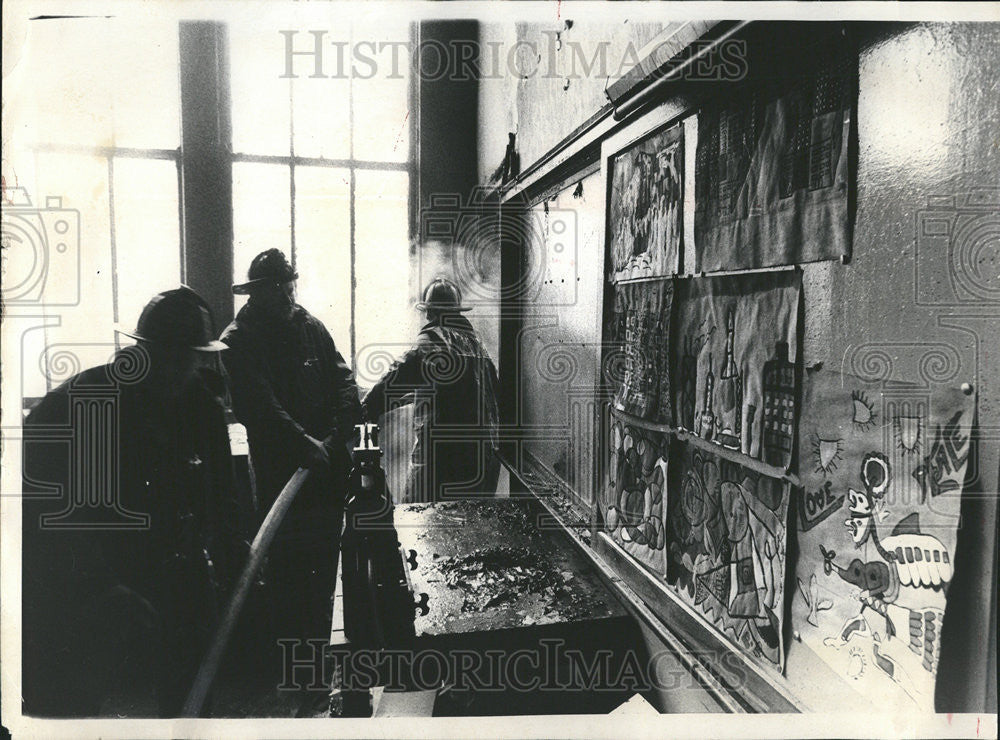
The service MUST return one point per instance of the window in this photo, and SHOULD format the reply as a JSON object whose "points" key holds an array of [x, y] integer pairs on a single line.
{"points": [[322, 169], [98, 150], [325, 175]]}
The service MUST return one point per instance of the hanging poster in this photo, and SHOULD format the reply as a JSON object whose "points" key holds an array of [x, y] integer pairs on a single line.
{"points": [[733, 368], [640, 332], [636, 491], [726, 537], [645, 210], [772, 174], [882, 470]]}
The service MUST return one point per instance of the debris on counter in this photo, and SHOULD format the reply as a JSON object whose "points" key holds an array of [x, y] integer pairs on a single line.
{"points": [[558, 496], [506, 566], [497, 575]]}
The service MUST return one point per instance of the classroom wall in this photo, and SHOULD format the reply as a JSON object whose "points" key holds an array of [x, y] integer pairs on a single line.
{"points": [[549, 80], [928, 123], [908, 305]]}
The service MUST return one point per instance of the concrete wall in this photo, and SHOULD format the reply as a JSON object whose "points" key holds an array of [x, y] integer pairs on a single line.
{"points": [[928, 123], [549, 79], [908, 306]]}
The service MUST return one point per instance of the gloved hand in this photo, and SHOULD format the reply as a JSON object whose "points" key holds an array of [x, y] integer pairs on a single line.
{"points": [[338, 450], [316, 457]]}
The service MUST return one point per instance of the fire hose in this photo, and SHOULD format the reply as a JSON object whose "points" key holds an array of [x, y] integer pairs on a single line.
{"points": [[258, 551], [378, 595]]}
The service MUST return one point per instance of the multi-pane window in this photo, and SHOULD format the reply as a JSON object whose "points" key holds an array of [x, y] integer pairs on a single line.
{"points": [[322, 170], [102, 118]]}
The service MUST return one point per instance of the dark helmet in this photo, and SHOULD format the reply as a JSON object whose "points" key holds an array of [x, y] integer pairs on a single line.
{"points": [[443, 295], [267, 267], [178, 318]]}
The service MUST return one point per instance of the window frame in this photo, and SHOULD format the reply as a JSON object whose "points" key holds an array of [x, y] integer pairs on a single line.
{"points": [[220, 91], [352, 164]]}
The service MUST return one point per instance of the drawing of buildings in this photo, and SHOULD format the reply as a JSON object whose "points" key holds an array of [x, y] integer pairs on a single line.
{"points": [[779, 408]]}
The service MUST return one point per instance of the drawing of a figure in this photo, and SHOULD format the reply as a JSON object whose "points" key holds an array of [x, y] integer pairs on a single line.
{"points": [[729, 549], [642, 172], [902, 590], [646, 206]]}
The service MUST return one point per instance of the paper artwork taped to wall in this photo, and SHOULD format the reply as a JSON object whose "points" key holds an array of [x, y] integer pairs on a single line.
{"points": [[636, 491], [772, 174], [645, 210], [733, 376], [882, 471], [640, 333], [726, 539]]}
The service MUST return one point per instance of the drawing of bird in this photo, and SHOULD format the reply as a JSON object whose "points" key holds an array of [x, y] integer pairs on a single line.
{"points": [[921, 560], [914, 572]]}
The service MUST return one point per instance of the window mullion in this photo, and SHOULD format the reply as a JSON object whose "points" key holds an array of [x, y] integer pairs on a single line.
{"points": [[180, 220], [353, 217], [111, 234], [291, 169]]}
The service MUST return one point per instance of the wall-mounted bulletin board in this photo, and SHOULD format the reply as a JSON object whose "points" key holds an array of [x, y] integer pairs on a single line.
{"points": [[699, 473], [645, 166], [559, 343], [796, 525]]}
